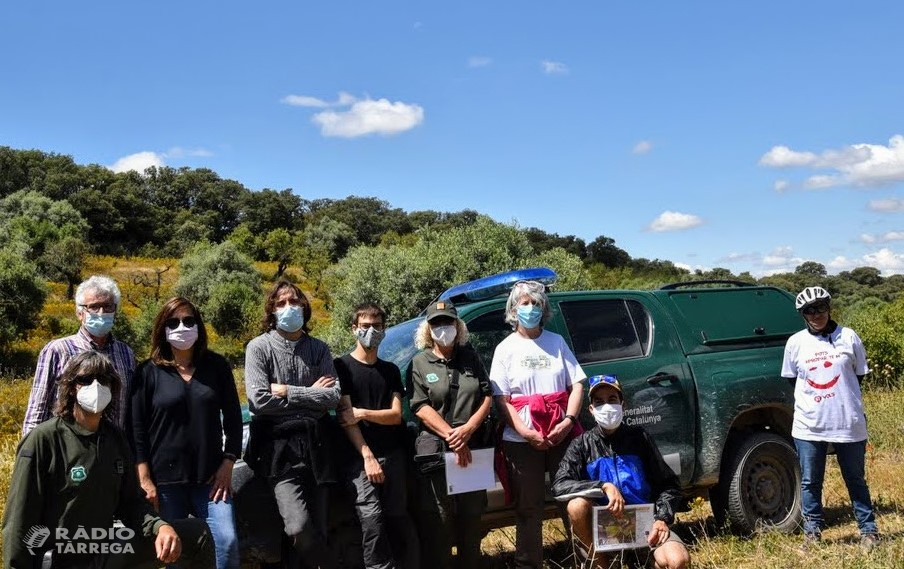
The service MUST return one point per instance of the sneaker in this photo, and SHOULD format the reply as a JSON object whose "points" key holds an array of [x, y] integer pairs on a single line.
{"points": [[869, 542]]}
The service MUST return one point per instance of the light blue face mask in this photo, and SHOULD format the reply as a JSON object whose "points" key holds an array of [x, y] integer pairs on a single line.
{"points": [[289, 319], [99, 325], [529, 315]]}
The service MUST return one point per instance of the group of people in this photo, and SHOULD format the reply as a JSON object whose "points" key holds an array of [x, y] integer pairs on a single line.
{"points": [[147, 446]]}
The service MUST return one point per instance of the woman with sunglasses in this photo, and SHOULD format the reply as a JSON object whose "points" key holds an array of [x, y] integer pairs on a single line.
{"points": [[537, 383], [73, 473], [183, 403], [827, 363]]}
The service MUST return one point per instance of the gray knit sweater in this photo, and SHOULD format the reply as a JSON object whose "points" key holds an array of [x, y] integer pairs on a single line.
{"points": [[270, 358]]}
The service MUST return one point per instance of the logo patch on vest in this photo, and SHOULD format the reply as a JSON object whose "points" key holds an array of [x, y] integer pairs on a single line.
{"points": [[432, 378], [78, 474]]}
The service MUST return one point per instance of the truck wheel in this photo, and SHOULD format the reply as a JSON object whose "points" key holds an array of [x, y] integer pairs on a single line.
{"points": [[760, 488]]}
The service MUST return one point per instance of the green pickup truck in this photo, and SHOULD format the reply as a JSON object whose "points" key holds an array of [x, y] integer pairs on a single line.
{"points": [[700, 367]]}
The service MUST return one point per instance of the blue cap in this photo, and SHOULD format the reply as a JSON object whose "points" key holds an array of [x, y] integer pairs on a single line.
{"points": [[609, 380]]}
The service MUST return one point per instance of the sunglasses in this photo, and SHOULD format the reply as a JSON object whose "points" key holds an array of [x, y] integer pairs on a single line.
{"points": [[187, 321], [816, 309], [83, 380]]}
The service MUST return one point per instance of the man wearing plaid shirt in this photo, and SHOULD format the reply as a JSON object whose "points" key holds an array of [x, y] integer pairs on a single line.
{"points": [[96, 302]]}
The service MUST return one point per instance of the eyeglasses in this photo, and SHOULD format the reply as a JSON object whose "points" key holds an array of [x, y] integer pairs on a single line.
{"points": [[96, 308], [366, 325], [187, 321], [442, 321], [83, 380], [816, 309]]}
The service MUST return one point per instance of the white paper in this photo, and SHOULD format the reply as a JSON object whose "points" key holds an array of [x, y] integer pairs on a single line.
{"points": [[479, 475], [628, 532]]}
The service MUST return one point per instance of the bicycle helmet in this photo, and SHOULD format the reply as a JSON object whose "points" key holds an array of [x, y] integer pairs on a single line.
{"points": [[810, 295]]}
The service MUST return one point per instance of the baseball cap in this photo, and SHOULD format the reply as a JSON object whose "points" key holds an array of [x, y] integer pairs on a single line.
{"points": [[441, 308], [609, 380]]}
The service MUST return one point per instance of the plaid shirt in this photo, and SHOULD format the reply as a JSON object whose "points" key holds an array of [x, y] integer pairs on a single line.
{"points": [[53, 359]]}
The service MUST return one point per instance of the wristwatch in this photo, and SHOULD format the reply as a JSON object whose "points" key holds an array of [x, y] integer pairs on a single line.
{"points": [[574, 419], [230, 456]]}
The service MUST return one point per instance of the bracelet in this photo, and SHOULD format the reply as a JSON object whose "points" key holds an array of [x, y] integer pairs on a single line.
{"points": [[230, 456], [574, 419]]}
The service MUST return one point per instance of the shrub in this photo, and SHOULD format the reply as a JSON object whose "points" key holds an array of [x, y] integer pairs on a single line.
{"points": [[232, 309], [22, 296]]}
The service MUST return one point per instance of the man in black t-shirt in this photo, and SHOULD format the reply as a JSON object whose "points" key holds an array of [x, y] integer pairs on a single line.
{"points": [[370, 410]]}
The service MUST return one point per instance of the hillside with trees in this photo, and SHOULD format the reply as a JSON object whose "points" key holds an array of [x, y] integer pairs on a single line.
{"points": [[214, 234]]}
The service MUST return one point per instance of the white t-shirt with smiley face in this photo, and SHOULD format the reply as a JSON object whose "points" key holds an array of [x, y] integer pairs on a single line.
{"points": [[828, 405]]}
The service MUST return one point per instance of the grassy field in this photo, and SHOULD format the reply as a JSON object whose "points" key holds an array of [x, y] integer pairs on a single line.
{"points": [[710, 548]]}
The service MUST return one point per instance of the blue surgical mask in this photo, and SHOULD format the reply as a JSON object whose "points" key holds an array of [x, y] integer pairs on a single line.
{"points": [[98, 325], [289, 319], [529, 315]]}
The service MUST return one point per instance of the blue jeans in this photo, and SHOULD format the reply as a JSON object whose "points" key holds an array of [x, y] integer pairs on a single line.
{"points": [[851, 461], [177, 501]]}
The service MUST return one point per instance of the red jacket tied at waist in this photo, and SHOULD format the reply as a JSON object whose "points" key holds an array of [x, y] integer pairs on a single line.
{"points": [[546, 410]]}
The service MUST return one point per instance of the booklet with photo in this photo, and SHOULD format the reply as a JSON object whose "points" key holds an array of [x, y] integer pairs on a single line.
{"points": [[627, 532]]}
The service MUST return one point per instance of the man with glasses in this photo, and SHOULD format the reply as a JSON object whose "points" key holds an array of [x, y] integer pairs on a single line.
{"points": [[96, 302], [827, 363], [371, 412]]}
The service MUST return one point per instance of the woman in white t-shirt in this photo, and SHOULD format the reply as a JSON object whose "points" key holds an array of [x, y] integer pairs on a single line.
{"points": [[827, 362], [537, 386]]}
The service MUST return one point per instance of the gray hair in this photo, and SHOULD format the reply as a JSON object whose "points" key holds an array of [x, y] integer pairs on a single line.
{"points": [[423, 339], [536, 291], [99, 284]]}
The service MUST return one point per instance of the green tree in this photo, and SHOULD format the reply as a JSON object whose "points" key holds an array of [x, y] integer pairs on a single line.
{"points": [[603, 250], [205, 270], [22, 296], [268, 209], [63, 260], [232, 309], [370, 217]]}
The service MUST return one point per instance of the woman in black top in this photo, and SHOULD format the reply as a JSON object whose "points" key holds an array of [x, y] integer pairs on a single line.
{"points": [[448, 422], [183, 402]]}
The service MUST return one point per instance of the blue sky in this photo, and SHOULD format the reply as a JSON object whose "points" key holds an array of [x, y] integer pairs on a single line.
{"points": [[752, 136]]}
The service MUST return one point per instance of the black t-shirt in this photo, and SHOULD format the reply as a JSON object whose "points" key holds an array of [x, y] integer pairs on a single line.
{"points": [[371, 387]]}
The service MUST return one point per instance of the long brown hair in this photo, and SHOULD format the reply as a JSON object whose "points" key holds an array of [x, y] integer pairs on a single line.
{"points": [[269, 320], [92, 365], [161, 351]]}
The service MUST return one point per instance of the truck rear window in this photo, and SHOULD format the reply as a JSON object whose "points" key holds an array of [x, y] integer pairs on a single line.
{"points": [[605, 330]]}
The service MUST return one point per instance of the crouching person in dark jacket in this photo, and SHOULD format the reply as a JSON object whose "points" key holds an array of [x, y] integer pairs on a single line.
{"points": [[74, 475], [613, 465]]}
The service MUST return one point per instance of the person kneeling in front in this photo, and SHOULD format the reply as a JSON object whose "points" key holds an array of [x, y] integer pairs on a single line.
{"points": [[613, 465]]}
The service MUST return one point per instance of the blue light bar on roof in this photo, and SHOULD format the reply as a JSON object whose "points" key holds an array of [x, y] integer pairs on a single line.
{"points": [[495, 285]]}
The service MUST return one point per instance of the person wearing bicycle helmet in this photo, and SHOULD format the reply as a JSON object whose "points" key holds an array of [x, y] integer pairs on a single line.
{"points": [[827, 363]]}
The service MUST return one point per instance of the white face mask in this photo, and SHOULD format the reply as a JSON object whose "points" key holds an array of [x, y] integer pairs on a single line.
{"points": [[182, 338], [608, 416], [94, 398], [443, 335]]}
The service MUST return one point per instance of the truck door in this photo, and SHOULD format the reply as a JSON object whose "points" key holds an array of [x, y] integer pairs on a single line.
{"points": [[618, 335]]}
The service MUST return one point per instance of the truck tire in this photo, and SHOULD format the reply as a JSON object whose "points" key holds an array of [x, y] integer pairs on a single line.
{"points": [[760, 485]]}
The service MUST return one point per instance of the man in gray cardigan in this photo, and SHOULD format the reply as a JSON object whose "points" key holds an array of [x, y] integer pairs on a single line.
{"points": [[291, 385]]}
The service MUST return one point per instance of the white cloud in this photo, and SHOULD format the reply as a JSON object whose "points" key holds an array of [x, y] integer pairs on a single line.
{"points": [[674, 221], [479, 61], [821, 182], [862, 165], [643, 147], [140, 161], [784, 157], [886, 237], [554, 67], [370, 117], [890, 205], [886, 260], [781, 185], [343, 99]]}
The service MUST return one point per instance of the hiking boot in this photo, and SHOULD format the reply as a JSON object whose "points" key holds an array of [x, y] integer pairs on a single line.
{"points": [[869, 542]]}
